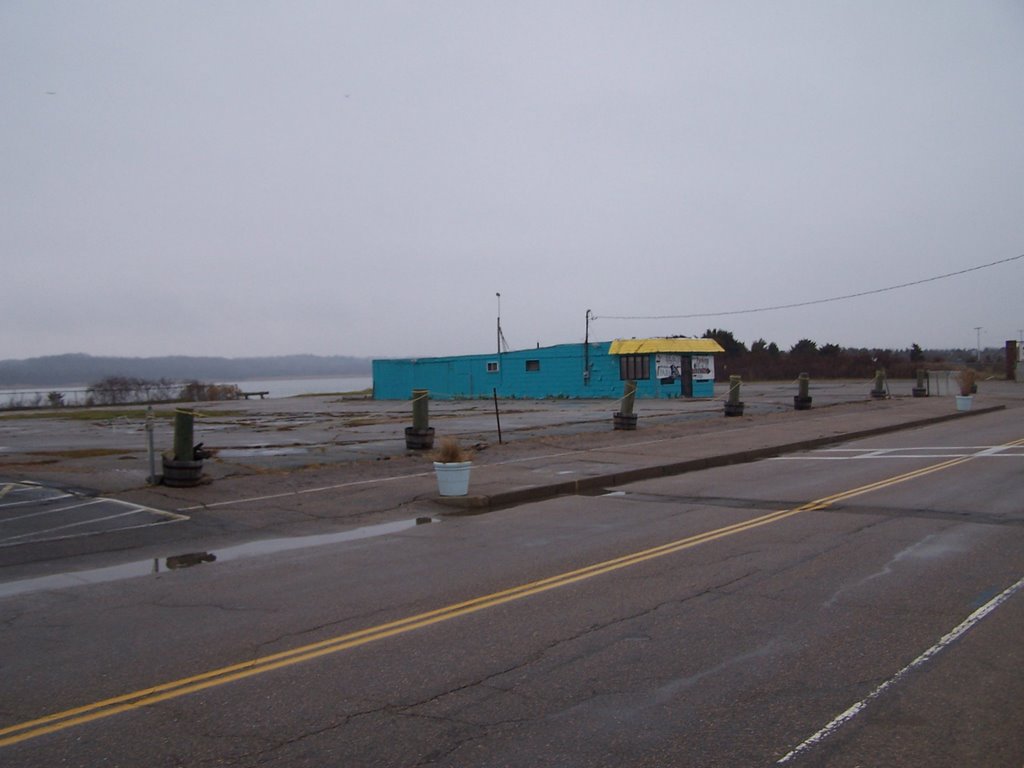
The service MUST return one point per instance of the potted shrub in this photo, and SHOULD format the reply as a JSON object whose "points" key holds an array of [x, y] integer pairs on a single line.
{"points": [[452, 465], [965, 379]]}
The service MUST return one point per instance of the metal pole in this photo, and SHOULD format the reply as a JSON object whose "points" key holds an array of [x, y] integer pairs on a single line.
{"points": [[497, 416], [586, 352], [149, 439]]}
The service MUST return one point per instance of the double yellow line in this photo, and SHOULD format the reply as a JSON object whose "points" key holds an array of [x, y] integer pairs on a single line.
{"points": [[174, 689]]}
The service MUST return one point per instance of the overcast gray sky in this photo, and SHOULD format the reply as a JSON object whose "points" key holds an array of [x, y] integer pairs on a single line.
{"points": [[262, 178]]}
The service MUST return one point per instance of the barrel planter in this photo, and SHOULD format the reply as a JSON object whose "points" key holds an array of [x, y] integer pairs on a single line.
{"points": [[733, 404], [734, 409], [624, 420], [802, 399], [419, 439], [182, 474]]}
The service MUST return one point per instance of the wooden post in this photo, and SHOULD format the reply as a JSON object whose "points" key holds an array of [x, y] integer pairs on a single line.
{"points": [[920, 390], [183, 431], [420, 409], [624, 418], [734, 406], [628, 398], [420, 436]]}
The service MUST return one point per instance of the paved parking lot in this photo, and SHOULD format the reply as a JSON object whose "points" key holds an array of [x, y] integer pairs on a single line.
{"points": [[106, 449], [74, 490], [35, 513]]}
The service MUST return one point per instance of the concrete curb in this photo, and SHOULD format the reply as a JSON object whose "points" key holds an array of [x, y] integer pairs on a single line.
{"points": [[480, 504]]}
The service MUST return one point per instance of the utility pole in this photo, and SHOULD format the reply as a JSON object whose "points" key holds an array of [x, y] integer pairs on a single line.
{"points": [[499, 323], [586, 352], [977, 330]]}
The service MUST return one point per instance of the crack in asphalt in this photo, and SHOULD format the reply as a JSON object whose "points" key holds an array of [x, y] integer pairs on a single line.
{"points": [[471, 730], [269, 752]]}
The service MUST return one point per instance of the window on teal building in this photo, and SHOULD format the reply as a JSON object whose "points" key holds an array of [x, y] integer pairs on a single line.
{"points": [[634, 367]]}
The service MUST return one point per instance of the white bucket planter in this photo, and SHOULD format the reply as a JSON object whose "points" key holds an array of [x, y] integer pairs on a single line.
{"points": [[963, 402], [453, 478]]}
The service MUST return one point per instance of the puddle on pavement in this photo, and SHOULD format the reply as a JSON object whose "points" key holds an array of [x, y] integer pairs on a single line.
{"points": [[174, 562], [243, 453]]}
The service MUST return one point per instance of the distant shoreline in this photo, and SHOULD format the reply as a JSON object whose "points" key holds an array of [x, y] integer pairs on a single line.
{"points": [[79, 370], [278, 387]]}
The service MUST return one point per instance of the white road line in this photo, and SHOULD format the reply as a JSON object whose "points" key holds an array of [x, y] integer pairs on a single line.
{"points": [[481, 467], [919, 452], [286, 494], [872, 454], [131, 509], [965, 626], [177, 518]]}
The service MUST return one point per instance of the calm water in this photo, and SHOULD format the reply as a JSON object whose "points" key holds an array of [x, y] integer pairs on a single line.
{"points": [[38, 396], [311, 386]]}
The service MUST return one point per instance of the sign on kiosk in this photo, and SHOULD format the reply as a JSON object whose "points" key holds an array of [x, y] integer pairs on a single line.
{"points": [[703, 368], [668, 367]]}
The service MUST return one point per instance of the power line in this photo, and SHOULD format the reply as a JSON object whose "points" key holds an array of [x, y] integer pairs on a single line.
{"points": [[807, 303]]}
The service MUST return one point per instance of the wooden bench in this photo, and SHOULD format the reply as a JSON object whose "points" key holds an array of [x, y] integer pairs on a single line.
{"points": [[247, 395]]}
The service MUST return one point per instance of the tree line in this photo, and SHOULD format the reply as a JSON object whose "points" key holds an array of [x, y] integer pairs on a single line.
{"points": [[765, 361], [77, 369], [121, 390], [129, 390]]}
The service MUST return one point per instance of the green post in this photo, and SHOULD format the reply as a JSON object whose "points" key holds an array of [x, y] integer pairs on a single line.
{"points": [[734, 390], [921, 390], [420, 436], [878, 391], [734, 406], [420, 409], [183, 446], [802, 400]]}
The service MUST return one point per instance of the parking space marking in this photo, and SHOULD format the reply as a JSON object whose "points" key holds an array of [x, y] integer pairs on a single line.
{"points": [[21, 519], [1011, 451], [53, 510], [36, 493]]}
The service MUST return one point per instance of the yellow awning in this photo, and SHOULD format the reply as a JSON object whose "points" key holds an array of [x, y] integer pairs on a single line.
{"points": [[643, 346]]}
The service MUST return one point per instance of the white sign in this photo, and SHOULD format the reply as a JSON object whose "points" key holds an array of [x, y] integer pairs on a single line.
{"points": [[703, 368], [668, 366]]}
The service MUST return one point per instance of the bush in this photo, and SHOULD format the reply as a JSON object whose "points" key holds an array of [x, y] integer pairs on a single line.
{"points": [[195, 391]]}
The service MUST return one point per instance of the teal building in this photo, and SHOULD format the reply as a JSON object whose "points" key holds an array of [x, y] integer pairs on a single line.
{"points": [[661, 367]]}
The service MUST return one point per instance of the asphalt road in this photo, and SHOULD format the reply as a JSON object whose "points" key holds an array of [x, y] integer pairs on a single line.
{"points": [[722, 618]]}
